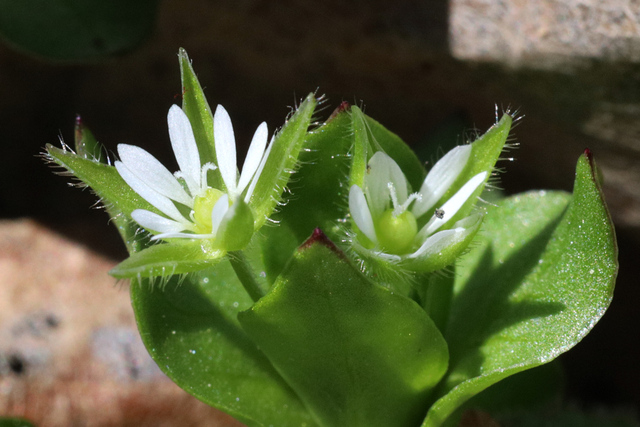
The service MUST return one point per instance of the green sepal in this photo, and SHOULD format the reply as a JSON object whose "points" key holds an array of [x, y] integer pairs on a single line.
{"points": [[236, 229], [369, 137], [357, 354], [86, 144], [540, 276], [88, 147], [485, 152], [103, 179], [281, 162], [166, 259], [200, 115]]}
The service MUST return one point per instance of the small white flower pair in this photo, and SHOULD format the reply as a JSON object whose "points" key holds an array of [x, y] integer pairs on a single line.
{"points": [[387, 215], [190, 207]]}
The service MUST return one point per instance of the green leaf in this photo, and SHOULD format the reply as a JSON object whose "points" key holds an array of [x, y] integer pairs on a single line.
{"points": [[15, 422], [166, 259], [76, 29], [190, 328], [356, 353], [542, 274], [384, 140], [369, 136]]}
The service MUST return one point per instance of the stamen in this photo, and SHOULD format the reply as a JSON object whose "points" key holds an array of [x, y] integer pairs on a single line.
{"points": [[203, 177], [394, 197], [403, 207]]}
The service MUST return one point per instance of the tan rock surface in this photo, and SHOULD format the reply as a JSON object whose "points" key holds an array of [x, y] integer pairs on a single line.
{"points": [[69, 349]]}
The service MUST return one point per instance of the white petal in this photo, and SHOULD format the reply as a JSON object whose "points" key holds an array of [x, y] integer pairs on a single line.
{"points": [[162, 203], [185, 149], [217, 213], [148, 169], [442, 239], [453, 205], [440, 178], [360, 213], [256, 177], [254, 156], [225, 143], [182, 235], [439, 241], [382, 171], [155, 222]]}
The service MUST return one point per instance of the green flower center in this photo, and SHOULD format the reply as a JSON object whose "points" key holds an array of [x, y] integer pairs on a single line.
{"points": [[396, 233], [202, 207]]}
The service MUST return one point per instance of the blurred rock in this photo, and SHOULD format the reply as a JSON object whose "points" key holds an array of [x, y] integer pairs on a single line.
{"points": [[544, 33], [70, 353]]}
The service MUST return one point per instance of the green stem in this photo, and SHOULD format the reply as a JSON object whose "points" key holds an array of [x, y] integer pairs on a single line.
{"points": [[245, 274]]}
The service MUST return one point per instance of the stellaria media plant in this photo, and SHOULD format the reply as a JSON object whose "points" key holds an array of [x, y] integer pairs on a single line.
{"points": [[379, 294]]}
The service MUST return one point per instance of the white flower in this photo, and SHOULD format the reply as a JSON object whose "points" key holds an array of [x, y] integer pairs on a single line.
{"points": [[387, 215], [190, 207]]}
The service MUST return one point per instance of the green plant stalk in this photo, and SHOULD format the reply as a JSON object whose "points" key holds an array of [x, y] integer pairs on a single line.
{"points": [[245, 274]]}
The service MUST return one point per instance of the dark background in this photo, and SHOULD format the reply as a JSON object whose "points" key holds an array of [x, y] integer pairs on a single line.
{"points": [[399, 61]]}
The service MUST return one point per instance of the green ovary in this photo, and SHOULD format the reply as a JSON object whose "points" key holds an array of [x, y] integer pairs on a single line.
{"points": [[202, 207], [396, 233]]}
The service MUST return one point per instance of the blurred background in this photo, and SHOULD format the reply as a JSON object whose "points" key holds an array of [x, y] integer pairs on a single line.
{"points": [[432, 71]]}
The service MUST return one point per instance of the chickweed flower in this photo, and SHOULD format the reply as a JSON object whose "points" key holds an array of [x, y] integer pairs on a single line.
{"points": [[397, 226], [190, 207]]}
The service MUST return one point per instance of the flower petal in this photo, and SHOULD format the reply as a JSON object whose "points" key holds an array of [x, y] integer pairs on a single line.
{"points": [[383, 170], [182, 235], [225, 143], [453, 205], [217, 213], [254, 156], [162, 203], [256, 177], [185, 149], [154, 222], [148, 169], [440, 178], [360, 213], [442, 248]]}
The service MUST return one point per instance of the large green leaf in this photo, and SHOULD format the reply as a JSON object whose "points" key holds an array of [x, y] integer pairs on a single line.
{"points": [[76, 29], [190, 327], [356, 353], [542, 274]]}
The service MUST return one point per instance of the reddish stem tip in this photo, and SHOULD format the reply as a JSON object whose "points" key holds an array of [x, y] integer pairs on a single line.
{"points": [[344, 105], [319, 237]]}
